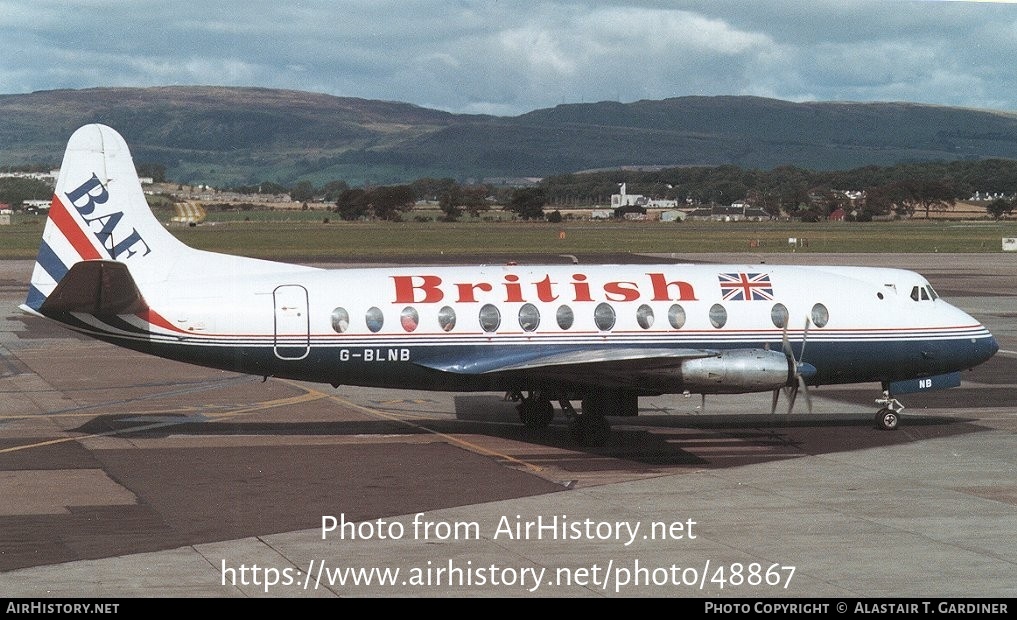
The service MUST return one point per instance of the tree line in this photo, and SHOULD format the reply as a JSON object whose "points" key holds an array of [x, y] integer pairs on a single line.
{"points": [[907, 190], [914, 190]]}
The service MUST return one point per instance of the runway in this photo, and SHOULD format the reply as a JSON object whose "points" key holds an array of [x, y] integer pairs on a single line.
{"points": [[123, 475]]}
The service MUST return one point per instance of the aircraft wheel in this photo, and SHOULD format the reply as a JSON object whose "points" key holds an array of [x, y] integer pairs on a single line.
{"points": [[887, 419], [536, 413]]}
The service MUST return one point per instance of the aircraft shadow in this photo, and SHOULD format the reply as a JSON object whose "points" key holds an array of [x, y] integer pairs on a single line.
{"points": [[653, 441]]}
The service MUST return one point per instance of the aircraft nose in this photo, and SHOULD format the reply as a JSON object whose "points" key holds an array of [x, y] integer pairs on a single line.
{"points": [[992, 347], [983, 350], [983, 344]]}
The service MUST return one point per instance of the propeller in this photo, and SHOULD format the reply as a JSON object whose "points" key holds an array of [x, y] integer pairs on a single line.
{"points": [[801, 372]]}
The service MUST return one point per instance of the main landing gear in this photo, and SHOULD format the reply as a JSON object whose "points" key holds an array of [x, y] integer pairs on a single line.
{"points": [[589, 428], [888, 418], [535, 411]]}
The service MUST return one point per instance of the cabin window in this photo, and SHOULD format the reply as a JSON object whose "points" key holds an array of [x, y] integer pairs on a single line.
{"points": [[409, 318], [718, 315], [446, 318], [644, 316], [565, 317], [529, 317], [375, 319], [676, 316], [779, 315], [820, 315], [340, 320], [490, 318], [604, 316]]}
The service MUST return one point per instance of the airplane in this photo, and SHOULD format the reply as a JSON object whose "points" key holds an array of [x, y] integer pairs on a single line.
{"points": [[605, 335]]}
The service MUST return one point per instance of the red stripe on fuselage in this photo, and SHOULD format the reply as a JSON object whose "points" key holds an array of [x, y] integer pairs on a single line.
{"points": [[71, 231], [158, 320]]}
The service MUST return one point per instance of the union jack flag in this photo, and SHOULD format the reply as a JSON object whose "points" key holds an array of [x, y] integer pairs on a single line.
{"points": [[745, 286]]}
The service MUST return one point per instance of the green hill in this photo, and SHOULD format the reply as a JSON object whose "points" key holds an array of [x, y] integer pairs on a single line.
{"points": [[245, 135]]}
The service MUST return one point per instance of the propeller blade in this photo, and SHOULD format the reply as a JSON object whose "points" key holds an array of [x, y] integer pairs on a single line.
{"points": [[792, 395], [795, 371], [805, 390], [801, 358], [805, 338]]}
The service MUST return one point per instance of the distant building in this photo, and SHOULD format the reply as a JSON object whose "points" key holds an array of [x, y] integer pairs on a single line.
{"points": [[738, 212], [989, 196], [34, 206], [625, 199], [50, 176]]}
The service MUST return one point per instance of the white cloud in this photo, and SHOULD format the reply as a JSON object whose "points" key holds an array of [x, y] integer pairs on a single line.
{"points": [[512, 57]]}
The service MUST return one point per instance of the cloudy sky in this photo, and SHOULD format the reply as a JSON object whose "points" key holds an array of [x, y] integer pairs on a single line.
{"points": [[511, 56]]}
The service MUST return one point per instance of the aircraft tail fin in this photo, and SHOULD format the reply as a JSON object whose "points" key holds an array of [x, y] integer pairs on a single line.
{"points": [[99, 213]]}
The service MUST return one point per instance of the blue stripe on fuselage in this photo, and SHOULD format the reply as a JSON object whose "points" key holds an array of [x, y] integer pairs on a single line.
{"points": [[836, 362]]}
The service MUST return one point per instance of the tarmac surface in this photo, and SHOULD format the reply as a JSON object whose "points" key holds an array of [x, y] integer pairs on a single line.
{"points": [[123, 475]]}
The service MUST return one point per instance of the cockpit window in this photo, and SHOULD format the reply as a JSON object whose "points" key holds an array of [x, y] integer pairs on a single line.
{"points": [[923, 293]]}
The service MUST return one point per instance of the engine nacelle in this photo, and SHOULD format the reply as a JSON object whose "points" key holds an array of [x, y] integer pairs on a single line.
{"points": [[737, 371]]}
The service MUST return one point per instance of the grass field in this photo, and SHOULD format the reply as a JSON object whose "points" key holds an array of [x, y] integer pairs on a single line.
{"points": [[305, 236]]}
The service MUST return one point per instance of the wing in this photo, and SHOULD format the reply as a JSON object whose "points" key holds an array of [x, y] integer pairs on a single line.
{"points": [[602, 367]]}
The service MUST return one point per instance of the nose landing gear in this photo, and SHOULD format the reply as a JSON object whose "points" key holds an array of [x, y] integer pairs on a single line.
{"points": [[888, 418]]}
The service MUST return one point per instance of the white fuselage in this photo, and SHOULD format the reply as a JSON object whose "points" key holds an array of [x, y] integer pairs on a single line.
{"points": [[426, 315]]}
